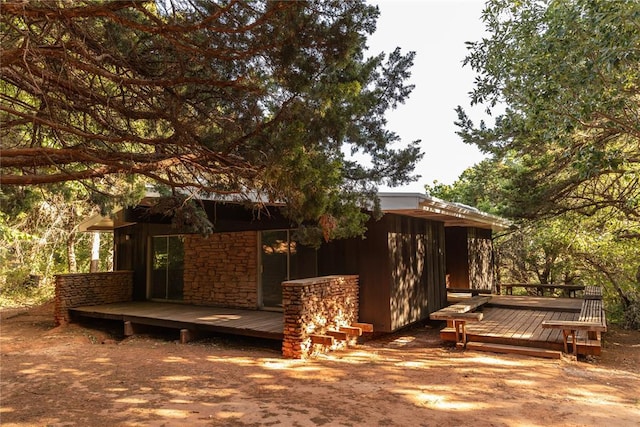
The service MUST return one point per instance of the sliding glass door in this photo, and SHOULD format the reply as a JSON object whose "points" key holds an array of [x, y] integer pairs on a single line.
{"points": [[283, 259], [167, 268]]}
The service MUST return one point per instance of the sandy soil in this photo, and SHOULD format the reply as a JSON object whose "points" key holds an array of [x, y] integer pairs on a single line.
{"points": [[86, 375]]}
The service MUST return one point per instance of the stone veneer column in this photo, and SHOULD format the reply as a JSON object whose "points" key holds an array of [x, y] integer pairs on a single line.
{"points": [[76, 290], [313, 306]]}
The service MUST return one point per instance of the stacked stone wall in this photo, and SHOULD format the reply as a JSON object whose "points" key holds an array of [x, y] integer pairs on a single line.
{"points": [[315, 306], [221, 269], [76, 290]]}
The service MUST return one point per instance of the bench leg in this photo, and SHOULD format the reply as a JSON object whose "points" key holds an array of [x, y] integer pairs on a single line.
{"points": [[565, 338], [461, 333]]}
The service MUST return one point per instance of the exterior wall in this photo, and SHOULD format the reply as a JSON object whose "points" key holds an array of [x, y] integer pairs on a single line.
{"points": [[221, 269], [457, 256], [401, 268], [470, 258], [76, 290], [417, 275], [313, 306], [481, 266]]}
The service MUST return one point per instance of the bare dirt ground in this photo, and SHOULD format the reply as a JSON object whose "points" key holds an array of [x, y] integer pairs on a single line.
{"points": [[87, 375]]}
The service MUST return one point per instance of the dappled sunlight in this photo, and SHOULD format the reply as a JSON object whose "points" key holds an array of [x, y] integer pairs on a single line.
{"points": [[132, 400], [41, 370], [520, 383], [595, 395], [171, 413], [282, 364], [494, 361], [177, 359], [260, 376], [176, 378], [225, 415], [401, 341], [221, 317], [73, 372], [394, 380], [274, 387], [436, 401], [242, 361], [412, 364]]}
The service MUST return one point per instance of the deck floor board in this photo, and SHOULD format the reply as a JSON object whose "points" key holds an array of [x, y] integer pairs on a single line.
{"points": [[518, 320], [266, 324]]}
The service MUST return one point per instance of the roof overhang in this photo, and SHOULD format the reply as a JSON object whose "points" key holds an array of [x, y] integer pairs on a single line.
{"points": [[104, 223], [431, 208]]}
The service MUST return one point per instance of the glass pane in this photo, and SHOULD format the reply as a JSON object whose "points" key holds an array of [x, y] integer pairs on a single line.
{"points": [[167, 268], [175, 267], [274, 266]]}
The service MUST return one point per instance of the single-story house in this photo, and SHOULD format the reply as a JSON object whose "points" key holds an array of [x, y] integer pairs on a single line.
{"points": [[404, 263]]}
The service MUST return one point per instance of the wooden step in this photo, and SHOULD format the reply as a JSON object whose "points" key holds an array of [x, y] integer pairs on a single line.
{"points": [[340, 336], [351, 331], [366, 327], [321, 339], [514, 349]]}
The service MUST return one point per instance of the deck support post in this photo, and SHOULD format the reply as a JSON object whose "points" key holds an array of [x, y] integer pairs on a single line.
{"points": [[128, 328], [186, 335]]}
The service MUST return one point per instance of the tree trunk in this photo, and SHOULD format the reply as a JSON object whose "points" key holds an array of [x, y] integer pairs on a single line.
{"points": [[71, 253], [95, 252]]}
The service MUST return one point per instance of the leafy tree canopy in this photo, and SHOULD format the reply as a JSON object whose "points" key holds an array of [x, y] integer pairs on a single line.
{"points": [[564, 76], [264, 100]]}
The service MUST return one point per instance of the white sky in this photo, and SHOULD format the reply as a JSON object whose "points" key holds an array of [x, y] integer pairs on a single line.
{"points": [[436, 30]]}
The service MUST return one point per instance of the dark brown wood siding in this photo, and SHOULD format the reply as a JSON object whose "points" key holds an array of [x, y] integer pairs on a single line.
{"points": [[469, 253], [481, 271], [401, 267], [417, 274]]}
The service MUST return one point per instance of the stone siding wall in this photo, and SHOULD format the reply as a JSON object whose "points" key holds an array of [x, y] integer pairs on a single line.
{"points": [[76, 290], [221, 269], [314, 306]]}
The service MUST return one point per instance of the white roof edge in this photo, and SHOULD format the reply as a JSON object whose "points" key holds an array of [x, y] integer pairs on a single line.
{"points": [[412, 202]]}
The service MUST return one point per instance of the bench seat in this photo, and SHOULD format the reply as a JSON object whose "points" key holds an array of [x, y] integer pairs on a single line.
{"points": [[591, 321]]}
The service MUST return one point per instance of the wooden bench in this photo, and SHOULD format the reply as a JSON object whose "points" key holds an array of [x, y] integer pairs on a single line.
{"points": [[592, 292], [473, 292], [591, 321], [457, 315], [567, 290]]}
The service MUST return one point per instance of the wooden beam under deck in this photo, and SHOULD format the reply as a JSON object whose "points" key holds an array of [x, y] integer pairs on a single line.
{"points": [[253, 323]]}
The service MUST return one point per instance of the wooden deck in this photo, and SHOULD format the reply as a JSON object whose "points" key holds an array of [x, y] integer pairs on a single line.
{"points": [[517, 321], [253, 323]]}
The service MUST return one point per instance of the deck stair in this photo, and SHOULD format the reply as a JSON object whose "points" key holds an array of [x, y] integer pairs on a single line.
{"points": [[514, 349], [332, 339], [517, 323], [457, 315]]}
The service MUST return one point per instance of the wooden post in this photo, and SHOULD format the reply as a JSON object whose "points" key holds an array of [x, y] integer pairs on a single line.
{"points": [[128, 328]]}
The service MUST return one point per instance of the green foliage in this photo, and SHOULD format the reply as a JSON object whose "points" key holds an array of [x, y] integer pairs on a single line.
{"points": [[253, 99], [566, 75], [38, 237], [482, 186], [565, 147]]}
